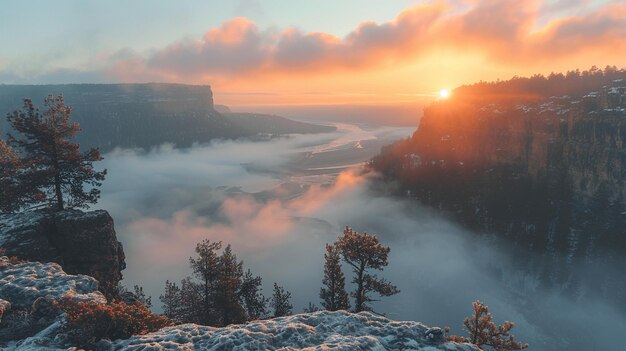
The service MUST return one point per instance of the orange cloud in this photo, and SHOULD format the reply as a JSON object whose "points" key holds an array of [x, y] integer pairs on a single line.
{"points": [[501, 28], [487, 38]]}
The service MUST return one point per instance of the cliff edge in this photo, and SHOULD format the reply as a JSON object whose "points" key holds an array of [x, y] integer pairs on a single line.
{"points": [[81, 242]]}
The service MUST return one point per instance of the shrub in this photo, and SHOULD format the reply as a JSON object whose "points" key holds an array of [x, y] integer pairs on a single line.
{"points": [[89, 321], [10, 261], [483, 332]]}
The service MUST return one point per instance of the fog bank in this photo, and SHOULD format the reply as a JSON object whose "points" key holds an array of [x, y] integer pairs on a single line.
{"points": [[278, 214]]}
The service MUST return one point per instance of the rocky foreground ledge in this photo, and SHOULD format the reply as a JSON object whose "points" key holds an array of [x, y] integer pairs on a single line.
{"points": [[28, 290], [321, 330]]}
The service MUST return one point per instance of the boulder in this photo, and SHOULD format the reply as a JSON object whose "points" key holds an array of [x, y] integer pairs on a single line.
{"points": [[81, 242]]}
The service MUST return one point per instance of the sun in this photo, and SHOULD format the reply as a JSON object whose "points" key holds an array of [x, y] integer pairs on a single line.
{"points": [[444, 93]]}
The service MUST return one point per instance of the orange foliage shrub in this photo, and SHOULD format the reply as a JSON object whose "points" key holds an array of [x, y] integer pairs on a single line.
{"points": [[483, 332], [88, 322], [11, 260]]}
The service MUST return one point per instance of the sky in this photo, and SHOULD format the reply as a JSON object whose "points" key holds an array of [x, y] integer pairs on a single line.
{"points": [[282, 52]]}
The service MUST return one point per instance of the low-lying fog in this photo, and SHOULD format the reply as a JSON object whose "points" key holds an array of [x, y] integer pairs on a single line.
{"points": [[278, 202]]}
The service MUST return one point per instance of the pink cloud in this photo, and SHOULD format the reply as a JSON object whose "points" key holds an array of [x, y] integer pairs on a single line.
{"points": [[502, 31]]}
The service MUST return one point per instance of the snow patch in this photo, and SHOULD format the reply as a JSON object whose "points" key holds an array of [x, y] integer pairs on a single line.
{"points": [[21, 284]]}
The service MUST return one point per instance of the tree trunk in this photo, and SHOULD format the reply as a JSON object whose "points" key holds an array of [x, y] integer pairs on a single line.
{"points": [[57, 171], [57, 189], [359, 291]]}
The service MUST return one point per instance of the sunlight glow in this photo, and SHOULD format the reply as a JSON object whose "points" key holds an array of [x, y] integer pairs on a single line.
{"points": [[444, 93]]}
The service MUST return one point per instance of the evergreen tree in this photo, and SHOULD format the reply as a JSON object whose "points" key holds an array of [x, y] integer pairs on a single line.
{"points": [[311, 308], [171, 301], [206, 267], [334, 296], [53, 163], [228, 285], [142, 297], [135, 296], [14, 191], [192, 303], [220, 295], [280, 301], [251, 297], [363, 252]]}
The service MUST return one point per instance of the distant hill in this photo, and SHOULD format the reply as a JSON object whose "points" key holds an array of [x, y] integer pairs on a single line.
{"points": [[146, 115], [222, 109], [272, 124]]}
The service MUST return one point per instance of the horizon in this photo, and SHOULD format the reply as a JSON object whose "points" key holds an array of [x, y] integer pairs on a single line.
{"points": [[255, 53]]}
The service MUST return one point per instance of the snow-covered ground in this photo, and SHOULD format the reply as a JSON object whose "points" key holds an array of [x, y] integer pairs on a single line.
{"points": [[27, 287], [21, 284], [321, 330]]}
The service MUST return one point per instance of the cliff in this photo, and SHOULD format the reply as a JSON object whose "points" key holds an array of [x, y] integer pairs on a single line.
{"points": [[530, 170], [81, 242], [544, 174], [147, 115]]}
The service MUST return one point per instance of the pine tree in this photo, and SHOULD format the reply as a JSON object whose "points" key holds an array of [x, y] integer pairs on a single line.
{"points": [[227, 289], [483, 331], [363, 252], [192, 307], [171, 301], [54, 164], [251, 297], [135, 296], [280, 301], [141, 296], [311, 308], [14, 191], [334, 296], [206, 268]]}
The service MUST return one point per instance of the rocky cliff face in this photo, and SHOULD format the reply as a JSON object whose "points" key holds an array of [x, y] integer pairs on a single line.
{"points": [[552, 159], [546, 175], [147, 115], [81, 242]]}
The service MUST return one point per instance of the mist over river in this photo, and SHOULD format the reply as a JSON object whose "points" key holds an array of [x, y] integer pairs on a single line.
{"points": [[279, 201]]}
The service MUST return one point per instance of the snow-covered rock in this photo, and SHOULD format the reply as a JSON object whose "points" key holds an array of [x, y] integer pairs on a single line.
{"points": [[31, 321], [21, 284], [321, 330], [4, 307]]}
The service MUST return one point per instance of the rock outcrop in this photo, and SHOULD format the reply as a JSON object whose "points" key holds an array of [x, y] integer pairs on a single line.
{"points": [[28, 291], [81, 242], [321, 330]]}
